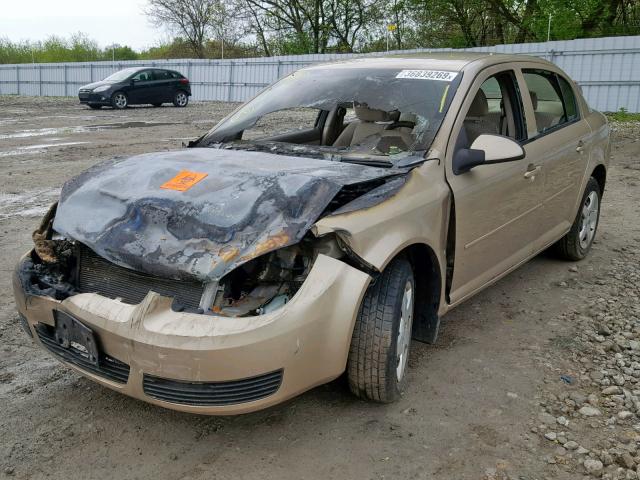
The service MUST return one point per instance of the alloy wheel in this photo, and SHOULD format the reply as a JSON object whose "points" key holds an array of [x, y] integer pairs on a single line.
{"points": [[120, 100], [404, 330], [588, 220], [181, 99]]}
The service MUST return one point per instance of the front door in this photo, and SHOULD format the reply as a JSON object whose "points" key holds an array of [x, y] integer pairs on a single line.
{"points": [[497, 206], [164, 86], [141, 87]]}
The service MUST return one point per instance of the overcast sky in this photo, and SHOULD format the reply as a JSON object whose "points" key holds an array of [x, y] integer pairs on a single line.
{"points": [[106, 21]]}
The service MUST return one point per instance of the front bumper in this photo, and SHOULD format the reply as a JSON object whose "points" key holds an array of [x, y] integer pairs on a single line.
{"points": [[102, 98], [299, 346]]}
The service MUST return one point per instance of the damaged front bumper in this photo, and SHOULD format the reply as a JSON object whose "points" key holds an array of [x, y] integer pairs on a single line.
{"points": [[205, 363]]}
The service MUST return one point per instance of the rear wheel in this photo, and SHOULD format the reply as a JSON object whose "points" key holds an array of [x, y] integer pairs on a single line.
{"points": [[576, 244], [119, 100], [95, 107], [382, 335], [180, 99]]}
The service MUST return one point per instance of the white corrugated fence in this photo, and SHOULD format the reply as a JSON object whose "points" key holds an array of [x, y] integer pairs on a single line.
{"points": [[607, 69]]}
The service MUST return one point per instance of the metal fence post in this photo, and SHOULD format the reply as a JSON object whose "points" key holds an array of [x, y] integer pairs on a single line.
{"points": [[64, 70], [18, 78], [91, 73], [278, 70], [40, 80], [229, 92]]}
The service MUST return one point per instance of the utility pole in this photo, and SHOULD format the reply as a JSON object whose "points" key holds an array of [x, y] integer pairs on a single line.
{"points": [[549, 29]]}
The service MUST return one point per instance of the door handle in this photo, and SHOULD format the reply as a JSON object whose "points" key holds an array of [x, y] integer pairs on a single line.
{"points": [[580, 147], [532, 171]]}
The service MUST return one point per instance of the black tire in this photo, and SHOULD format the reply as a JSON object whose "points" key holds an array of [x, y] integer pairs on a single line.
{"points": [[95, 107], [575, 245], [373, 364], [181, 99], [119, 100], [156, 105]]}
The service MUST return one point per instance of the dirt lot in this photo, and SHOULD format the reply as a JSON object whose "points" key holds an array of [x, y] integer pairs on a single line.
{"points": [[536, 377]]}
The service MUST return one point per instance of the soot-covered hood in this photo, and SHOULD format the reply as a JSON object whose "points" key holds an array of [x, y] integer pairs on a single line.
{"points": [[200, 212]]}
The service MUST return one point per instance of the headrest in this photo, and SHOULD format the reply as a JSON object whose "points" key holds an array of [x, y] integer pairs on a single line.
{"points": [[367, 114], [408, 117], [479, 106], [534, 99]]}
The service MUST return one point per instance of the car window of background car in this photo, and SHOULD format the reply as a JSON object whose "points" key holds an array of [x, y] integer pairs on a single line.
{"points": [[121, 75], [162, 75], [143, 76], [281, 122], [546, 98]]}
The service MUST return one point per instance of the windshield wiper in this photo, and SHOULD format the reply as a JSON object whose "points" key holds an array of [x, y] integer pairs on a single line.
{"points": [[371, 162]]}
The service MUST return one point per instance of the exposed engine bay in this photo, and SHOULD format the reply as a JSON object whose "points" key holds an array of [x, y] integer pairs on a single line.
{"points": [[148, 240]]}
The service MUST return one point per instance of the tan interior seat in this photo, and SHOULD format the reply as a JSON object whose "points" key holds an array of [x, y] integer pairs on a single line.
{"points": [[544, 120], [478, 120], [370, 121]]}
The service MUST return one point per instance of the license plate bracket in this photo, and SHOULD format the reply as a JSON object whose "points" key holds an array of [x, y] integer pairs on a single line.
{"points": [[73, 335]]}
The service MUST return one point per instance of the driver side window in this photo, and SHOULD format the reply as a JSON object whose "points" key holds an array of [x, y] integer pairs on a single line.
{"points": [[496, 109], [144, 76]]}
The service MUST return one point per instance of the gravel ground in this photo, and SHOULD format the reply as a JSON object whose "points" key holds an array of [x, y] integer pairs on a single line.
{"points": [[537, 377]]}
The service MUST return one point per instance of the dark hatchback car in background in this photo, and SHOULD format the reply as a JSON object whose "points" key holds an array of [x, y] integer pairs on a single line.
{"points": [[136, 86]]}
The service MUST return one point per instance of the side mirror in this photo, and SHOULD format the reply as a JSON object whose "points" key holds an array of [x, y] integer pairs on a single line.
{"points": [[485, 150]]}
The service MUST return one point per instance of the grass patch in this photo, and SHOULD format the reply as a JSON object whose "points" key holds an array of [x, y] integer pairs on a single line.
{"points": [[623, 115]]}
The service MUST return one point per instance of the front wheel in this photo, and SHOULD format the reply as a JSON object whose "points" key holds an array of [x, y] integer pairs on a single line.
{"points": [[119, 100], [576, 244], [180, 99], [379, 351]]}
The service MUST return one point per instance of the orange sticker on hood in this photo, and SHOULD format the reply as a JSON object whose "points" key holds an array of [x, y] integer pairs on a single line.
{"points": [[183, 180]]}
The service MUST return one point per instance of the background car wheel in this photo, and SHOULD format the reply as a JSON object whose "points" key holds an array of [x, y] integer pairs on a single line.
{"points": [[181, 99], [119, 100], [156, 104], [382, 335], [95, 107], [576, 244]]}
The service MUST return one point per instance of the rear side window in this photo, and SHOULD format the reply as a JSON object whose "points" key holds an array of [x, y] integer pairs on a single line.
{"points": [[570, 104], [162, 75], [554, 102]]}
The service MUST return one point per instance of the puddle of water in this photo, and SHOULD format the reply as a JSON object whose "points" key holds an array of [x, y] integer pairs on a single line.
{"points": [[49, 145], [41, 132], [40, 148], [33, 203]]}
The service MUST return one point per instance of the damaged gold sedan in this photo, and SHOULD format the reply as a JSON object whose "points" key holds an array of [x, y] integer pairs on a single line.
{"points": [[318, 229]]}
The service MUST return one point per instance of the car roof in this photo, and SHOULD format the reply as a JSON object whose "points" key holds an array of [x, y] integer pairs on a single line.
{"points": [[452, 61]]}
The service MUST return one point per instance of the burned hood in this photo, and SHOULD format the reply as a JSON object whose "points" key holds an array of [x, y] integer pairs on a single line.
{"points": [[200, 213]]}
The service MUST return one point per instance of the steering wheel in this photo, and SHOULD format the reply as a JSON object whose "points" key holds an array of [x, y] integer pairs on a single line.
{"points": [[400, 124]]}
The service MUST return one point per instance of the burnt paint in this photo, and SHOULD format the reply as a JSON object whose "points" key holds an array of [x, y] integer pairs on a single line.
{"points": [[249, 204]]}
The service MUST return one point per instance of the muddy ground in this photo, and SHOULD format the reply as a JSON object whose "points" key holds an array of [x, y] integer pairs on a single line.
{"points": [[481, 402]]}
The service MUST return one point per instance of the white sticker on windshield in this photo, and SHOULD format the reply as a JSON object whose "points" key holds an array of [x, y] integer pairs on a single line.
{"points": [[441, 75]]}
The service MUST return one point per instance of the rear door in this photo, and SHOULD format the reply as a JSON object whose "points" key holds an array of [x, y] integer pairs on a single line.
{"points": [[560, 139], [497, 206]]}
